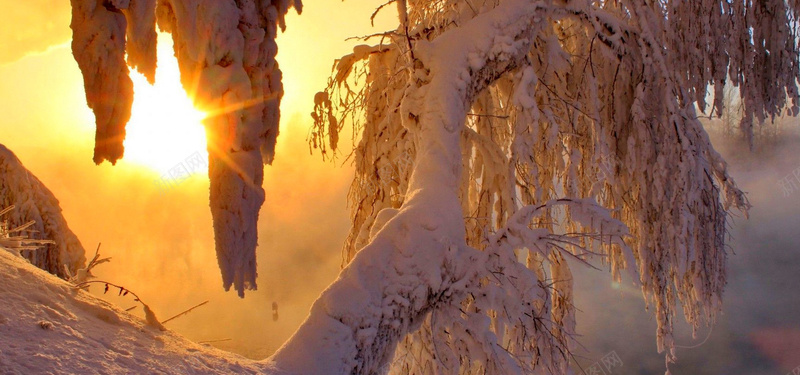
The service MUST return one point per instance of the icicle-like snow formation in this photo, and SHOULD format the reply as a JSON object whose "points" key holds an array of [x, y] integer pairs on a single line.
{"points": [[98, 44], [601, 107], [32, 201], [226, 54], [141, 37]]}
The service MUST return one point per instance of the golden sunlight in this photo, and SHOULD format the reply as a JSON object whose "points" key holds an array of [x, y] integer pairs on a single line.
{"points": [[165, 129]]}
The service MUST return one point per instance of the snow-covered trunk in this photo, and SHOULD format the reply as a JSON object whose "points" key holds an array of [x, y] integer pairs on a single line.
{"points": [[418, 261]]}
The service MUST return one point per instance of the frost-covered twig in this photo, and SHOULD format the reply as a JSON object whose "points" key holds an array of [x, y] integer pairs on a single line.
{"points": [[85, 273], [18, 243]]}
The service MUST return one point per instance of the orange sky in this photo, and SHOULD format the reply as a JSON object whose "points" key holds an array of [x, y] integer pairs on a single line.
{"points": [[161, 241]]}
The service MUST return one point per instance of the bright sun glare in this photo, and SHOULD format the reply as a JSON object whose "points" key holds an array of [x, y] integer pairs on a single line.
{"points": [[165, 129]]}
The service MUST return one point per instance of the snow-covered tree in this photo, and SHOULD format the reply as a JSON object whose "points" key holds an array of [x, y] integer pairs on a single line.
{"points": [[27, 203], [490, 136]]}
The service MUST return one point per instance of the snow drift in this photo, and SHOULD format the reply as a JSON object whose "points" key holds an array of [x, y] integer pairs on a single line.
{"points": [[49, 327]]}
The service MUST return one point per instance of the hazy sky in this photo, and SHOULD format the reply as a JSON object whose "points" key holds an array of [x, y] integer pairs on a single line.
{"points": [[32, 26], [162, 242]]}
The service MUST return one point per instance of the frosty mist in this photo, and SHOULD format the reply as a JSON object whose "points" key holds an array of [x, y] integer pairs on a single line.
{"points": [[758, 332], [50, 17], [161, 246]]}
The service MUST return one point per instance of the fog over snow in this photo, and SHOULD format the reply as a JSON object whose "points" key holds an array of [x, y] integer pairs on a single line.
{"points": [[758, 332]]}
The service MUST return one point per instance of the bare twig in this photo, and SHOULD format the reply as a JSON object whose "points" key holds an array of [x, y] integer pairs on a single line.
{"points": [[375, 13], [7, 210], [185, 312]]}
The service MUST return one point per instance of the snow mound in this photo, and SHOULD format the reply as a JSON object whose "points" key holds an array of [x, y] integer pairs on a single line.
{"points": [[49, 327]]}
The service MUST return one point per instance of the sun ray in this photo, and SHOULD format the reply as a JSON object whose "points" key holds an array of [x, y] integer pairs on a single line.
{"points": [[165, 127]]}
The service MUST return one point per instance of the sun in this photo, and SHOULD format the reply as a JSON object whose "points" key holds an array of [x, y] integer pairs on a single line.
{"points": [[165, 131]]}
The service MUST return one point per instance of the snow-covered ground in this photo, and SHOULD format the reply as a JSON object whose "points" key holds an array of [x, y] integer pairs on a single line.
{"points": [[49, 327]]}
